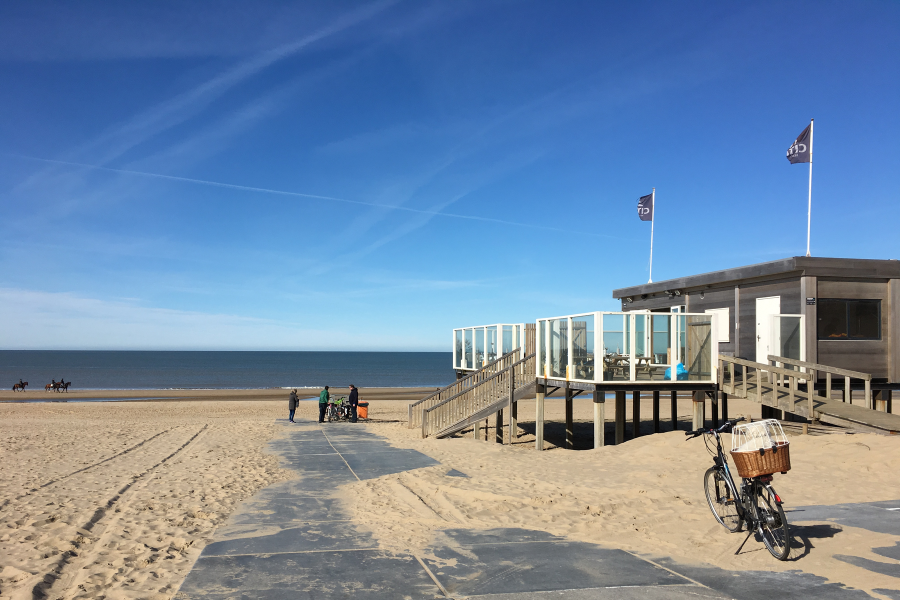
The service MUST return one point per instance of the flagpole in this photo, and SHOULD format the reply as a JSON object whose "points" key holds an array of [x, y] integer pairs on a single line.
{"points": [[653, 218], [809, 207]]}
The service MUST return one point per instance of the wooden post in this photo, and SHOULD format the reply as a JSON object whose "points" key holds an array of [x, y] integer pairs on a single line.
{"points": [[724, 406], [570, 434], [513, 425], [848, 395], [620, 417], [699, 409], [487, 426], [656, 411], [674, 410], [498, 434], [539, 418], [828, 386], [868, 398], [880, 401], [476, 429], [635, 414], [714, 409], [599, 419]]}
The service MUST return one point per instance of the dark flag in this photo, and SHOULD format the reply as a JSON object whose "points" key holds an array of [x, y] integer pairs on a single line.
{"points": [[799, 150], [645, 207]]}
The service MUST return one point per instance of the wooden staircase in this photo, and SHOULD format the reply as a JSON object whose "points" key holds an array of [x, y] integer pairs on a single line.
{"points": [[789, 389], [498, 385]]}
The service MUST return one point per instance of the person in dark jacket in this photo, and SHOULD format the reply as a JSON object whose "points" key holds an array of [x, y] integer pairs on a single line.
{"points": [[292, 405], [323, 404], [354, 402]]}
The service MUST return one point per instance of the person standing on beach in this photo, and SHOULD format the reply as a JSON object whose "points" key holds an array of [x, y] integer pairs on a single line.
{"points": [[354, 402], [292, 405], [323, 404]]}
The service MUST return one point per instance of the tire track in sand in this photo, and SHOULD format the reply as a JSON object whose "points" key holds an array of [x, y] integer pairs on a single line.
{"points": [[82, 470], [71, 569]]}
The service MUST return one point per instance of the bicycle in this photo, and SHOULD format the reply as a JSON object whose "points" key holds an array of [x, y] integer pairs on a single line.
{"points": [[338, 410], [757, 505]]}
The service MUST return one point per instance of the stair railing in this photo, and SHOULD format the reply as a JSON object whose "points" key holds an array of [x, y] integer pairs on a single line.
{"points": [[461, 385], [491, 390], [814, 369]]}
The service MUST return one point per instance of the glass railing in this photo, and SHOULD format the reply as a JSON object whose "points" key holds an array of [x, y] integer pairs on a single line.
{"points": [[474, 347], [627, 346]]}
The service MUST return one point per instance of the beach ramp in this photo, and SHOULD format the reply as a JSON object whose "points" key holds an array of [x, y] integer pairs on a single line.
{"points": [[792, 390], [474, 398]]}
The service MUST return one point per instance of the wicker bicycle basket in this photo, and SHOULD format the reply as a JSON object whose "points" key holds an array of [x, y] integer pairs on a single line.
{"points": [[760, 448]]}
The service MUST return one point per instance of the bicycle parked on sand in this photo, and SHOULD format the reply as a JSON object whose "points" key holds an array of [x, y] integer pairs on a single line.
{"points": [[759, 450], [338, 410]]}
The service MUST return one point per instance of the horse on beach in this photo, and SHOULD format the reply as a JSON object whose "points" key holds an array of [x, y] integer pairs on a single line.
{"points": [[64, 386], [52, 387], [20, 387]]}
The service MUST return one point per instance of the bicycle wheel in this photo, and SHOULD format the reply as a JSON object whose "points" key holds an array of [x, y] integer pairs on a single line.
{"points": [[722, 499], [771, 522]]}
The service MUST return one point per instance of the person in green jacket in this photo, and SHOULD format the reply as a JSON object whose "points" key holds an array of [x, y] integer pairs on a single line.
{"points": [[323, 404]]}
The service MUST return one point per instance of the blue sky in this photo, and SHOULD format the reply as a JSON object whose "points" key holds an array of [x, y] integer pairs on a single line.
{"points": [[367, 176]]}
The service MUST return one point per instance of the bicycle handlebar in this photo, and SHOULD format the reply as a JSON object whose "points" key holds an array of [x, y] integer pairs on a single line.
{"points": [[724, 427]]}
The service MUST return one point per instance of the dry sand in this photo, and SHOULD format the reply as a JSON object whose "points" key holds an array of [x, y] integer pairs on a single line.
{"points": [[644, 496], [116, 500]]}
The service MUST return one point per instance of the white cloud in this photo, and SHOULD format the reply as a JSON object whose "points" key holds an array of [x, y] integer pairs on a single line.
{"points": [[60, 320]]}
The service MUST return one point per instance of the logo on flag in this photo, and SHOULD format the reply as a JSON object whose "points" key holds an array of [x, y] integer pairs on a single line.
{"points": [[799, 150], [645, 208]]}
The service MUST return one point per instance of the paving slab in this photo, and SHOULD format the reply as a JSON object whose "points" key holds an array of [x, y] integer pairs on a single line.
{"points": [[293, 540], [763, 585], [881, 517], [367, 575]]}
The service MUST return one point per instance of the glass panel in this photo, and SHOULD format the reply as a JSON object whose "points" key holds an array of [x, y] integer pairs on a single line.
{"points": [[559, 347], [640, 335], [698, 351], [508, 339], [849, 319], [787, 337], [542, 342], [583, 347], [661, 346], [470, 361], [458, 350], [479, 347], [651, 334], [492, 343], [616, 362], [864, 319]]}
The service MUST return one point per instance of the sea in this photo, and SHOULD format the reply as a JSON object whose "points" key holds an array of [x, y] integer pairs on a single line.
{"points": [[163, 370]]}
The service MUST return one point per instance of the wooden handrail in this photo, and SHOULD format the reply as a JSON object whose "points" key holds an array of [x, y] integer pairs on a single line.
{"points": [[818, 367], [490, 390], [461, 385], [494, 376], [829, 371]]}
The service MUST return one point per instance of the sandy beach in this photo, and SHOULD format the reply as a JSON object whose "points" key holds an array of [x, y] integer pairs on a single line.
{"points": [[116, 500]]}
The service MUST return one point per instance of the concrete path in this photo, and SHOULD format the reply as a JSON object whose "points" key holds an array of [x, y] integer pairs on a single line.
{"points": [[292, 541]]}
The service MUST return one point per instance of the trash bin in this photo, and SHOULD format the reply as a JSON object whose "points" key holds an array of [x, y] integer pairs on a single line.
{"points": [[362, 411]]}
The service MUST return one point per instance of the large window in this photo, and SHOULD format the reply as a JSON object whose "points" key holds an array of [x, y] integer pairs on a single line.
{"points": [[849, 319]]}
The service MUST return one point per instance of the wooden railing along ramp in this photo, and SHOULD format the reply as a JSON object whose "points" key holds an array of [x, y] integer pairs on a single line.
{"points": [[789, 389], [474, 398]]}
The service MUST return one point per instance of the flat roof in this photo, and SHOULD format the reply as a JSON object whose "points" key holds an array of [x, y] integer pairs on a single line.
{"points": [[845, 268]]}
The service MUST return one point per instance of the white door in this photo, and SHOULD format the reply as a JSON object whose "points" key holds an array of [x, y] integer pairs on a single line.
{"points": [[766, 308]]}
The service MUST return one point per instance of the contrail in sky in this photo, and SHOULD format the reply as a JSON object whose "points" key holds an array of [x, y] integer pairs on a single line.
{"points": [[247, 188]]}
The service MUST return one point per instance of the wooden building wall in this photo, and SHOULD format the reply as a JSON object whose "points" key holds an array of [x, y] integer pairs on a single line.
{"points": [[868, 356]]}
